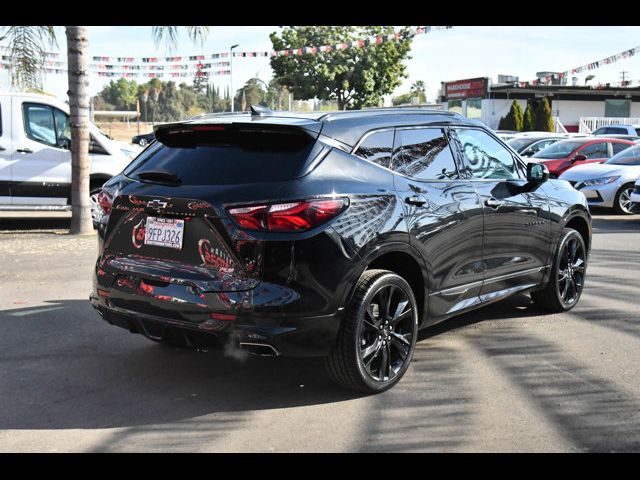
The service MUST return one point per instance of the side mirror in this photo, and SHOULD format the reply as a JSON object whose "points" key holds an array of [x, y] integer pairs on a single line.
{"points": [[537, 172], [64, 143], [578, 158]]}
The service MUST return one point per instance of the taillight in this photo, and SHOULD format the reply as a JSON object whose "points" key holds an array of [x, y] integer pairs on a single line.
{"points": [[105, 201], [288, 217]]}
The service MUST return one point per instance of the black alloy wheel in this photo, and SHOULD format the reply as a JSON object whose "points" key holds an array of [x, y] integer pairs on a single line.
{"points": [[571, 270], [386, 333], [567, 276], [378, 336]]}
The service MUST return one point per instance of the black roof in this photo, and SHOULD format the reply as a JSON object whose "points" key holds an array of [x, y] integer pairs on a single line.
{"points": [[345, 126]]}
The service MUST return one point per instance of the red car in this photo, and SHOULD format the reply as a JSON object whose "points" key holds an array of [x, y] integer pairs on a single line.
{"points": [[568, 153]]}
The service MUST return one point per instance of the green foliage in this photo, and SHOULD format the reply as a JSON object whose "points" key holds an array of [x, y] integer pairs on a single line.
{"points": [[27, 47], [401, 99], [175, 102], [253, 92], [514, 119], [529, 122], [418, 89], [277, 96], [355, 77], [502, 124], [544, 120], [121, 94]]}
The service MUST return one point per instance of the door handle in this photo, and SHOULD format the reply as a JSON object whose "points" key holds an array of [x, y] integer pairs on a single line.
{"points": [[24, 150], [2, 149], [417, 200], [493, 203]]}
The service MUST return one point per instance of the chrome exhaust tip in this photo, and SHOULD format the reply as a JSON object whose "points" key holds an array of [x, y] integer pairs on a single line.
{"points": [[259, 349]]}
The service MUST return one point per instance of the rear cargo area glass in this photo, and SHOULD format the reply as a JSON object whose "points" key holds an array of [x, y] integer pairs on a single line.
{"points": [[227, 158]]}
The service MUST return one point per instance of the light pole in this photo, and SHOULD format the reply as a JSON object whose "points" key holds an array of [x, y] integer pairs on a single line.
{"points": [[231, 73]]}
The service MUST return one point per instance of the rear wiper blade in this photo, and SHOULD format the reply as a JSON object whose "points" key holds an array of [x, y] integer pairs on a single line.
{"points": [[163, 176]]}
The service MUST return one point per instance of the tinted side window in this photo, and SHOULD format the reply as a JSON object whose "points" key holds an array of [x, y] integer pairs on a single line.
{"points": [[38, 123], [424, 154], [377, 148], [595, 150], [486, 157], [618, 147]]}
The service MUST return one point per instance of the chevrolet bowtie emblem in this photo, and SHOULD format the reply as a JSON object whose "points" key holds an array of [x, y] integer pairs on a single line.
{"points": [[157, 204]]}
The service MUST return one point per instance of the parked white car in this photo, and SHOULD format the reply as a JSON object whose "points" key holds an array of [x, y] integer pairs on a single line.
{"points": [[35, 160], [609, 184]]}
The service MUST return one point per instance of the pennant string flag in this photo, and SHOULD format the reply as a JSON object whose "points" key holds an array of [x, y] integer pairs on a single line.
{"points": [[191, 65], [589, 66]]}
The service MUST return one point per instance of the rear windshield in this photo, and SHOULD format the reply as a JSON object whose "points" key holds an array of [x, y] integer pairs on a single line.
{"points": [[220, 158], [519, 143], [558, 150]]}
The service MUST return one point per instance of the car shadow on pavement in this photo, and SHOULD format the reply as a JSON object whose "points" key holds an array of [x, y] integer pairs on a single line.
{"points": [[40, 224], [67, 368]]}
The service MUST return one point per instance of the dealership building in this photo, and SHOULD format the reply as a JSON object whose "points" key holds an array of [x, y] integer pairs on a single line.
{"points": [[575, 108]]}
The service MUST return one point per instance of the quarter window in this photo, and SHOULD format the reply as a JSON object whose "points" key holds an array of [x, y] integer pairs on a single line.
{"points": [[595, 150], [618, 147], [424, 154], [486, 157], [377, 148]]}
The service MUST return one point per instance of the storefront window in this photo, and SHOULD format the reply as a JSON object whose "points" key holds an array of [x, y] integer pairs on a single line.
{"points": [[617, 108], [455, 106], [474, 108]]}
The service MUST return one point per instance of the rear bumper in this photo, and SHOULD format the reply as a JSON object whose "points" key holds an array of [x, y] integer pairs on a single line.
{"points": [[289, 336]]}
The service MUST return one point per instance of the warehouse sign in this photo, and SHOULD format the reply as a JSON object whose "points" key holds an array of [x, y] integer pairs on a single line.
{"points": [[471, 88]]}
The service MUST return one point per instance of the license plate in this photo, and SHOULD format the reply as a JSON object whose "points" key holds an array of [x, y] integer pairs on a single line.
{"points": [[164, 232]]}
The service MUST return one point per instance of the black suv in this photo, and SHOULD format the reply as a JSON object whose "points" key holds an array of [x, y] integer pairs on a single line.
{"points": [[331, 234]]}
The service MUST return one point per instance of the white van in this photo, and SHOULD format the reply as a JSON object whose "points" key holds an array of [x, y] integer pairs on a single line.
{"points": [[35, 160]]}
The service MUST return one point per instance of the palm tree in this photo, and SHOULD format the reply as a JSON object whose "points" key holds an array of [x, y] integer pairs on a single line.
{"points": [[28, 45], [418, 89]]}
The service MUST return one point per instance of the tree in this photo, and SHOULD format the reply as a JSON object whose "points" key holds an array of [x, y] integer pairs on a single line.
{"points": [[277, 96], [155, 86], [544, 120], [502, 124], [355, 77], [529, 122], [418, 89], [78, 77], [253, 93], [402, 99], [28, 46], [513, 120]]}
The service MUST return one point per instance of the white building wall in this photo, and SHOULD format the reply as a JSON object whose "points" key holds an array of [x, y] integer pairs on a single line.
{"points": [[571, 110], [493, 109]]}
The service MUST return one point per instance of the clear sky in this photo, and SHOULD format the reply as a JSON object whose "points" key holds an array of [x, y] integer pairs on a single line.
{"points": [[457, 53]]}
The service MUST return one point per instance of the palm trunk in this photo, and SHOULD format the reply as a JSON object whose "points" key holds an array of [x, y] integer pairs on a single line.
{"points": [[78, 64]]}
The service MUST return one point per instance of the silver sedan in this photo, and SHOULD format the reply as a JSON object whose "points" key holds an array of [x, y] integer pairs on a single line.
{"points": [[609, 184]]}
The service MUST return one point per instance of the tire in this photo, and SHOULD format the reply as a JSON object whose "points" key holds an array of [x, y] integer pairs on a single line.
{"points": [[359, 360], [143, 142], [622, 200], [565, 285]]}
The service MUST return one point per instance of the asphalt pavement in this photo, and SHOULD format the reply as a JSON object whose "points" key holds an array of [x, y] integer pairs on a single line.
{"points": [[506, 378]]}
